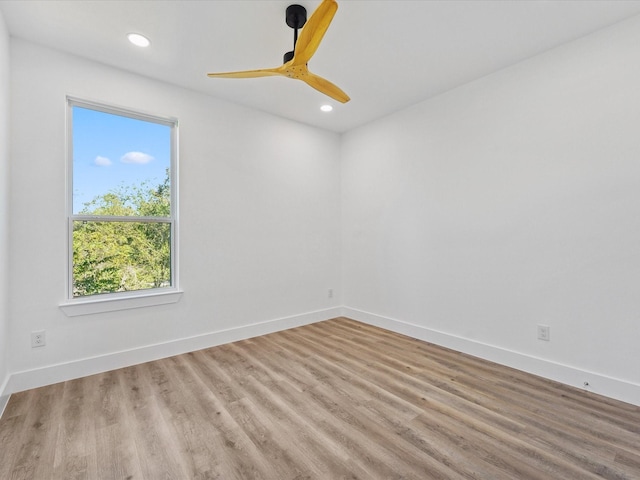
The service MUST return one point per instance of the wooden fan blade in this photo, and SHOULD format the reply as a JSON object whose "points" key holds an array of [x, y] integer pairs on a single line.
{"points": [[265, 72], [313, 31], [326, 87]]}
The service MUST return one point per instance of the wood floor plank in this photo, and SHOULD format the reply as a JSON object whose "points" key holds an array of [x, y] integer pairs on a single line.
{"points": [[333, 400], [113, 444], [35, 458], [10, 442], [195, 422], [75, 442]]}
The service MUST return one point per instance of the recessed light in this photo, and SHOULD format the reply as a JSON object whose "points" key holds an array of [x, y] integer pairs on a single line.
{"points": [[326, 108], [138, 40]]}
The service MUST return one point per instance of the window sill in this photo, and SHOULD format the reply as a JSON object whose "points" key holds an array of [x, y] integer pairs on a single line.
{"points": [[74, 308]]}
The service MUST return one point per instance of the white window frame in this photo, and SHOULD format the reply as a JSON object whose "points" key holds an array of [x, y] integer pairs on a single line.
{"points": [[106, 302]]}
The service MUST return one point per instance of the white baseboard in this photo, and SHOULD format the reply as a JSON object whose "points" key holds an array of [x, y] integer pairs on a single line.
{"points": [[51, 374], [600, 384], [4, 395]]}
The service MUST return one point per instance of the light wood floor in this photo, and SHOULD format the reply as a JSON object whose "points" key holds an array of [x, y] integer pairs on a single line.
{"points": [[333, 400]]}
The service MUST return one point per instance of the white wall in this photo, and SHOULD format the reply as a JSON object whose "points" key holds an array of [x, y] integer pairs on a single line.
{"points": [[4, 210], [466, 219], [508, 202], [259, 222]]}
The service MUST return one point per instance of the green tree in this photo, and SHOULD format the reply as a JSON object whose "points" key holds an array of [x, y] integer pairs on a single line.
{"points": [[117, 256]]}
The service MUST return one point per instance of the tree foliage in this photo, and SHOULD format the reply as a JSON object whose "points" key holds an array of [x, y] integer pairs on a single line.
{"points": [[116, 256]]}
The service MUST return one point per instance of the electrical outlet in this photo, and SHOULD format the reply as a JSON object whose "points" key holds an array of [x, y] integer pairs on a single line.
{"points": [[330, 293], [38, 339], [544, 333]]}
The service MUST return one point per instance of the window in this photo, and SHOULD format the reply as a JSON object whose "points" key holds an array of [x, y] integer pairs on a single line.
{"points": [[122, 202]]}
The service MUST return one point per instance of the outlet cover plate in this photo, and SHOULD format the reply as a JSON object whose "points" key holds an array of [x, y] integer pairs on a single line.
{"points": [[38, 339], [544, 333]]}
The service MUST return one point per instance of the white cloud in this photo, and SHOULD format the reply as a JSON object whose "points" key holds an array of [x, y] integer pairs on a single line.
{"points": [[102, 161], [136, 157]]}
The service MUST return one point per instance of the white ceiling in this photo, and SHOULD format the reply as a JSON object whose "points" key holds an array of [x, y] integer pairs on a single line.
{"points": [[386, 55]]}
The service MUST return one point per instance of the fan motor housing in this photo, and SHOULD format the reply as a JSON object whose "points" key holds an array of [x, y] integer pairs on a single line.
{"points": [[296, 16]]}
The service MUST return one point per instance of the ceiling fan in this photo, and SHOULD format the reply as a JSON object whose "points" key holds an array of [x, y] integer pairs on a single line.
{"points": [[295, 62]]}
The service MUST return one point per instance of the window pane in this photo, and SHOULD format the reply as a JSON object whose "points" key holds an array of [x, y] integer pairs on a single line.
{"points": [[113, 257], [121, 165]]}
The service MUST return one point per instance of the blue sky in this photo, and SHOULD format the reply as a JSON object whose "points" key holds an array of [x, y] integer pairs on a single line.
{"points": [[112, 150]]}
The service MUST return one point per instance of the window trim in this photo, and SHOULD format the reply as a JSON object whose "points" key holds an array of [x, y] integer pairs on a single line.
{"points": [[136, 298]]}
